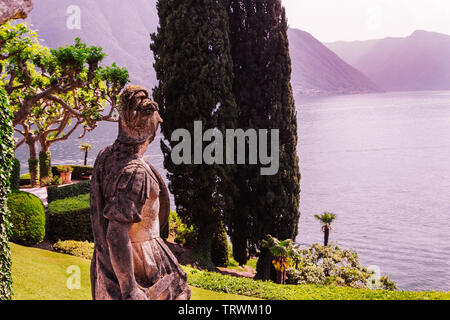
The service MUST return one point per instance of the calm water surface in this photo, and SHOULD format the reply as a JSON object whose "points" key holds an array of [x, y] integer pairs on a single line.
{"points": [[381, 162]]}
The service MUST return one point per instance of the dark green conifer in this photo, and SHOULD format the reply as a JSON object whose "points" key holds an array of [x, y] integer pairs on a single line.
{"points": [[194, 72], [262, 70]]}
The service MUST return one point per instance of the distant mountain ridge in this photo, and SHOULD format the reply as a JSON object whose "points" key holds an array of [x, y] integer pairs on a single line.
{"points": [[122, 28], [319, 71], [420, 61]]}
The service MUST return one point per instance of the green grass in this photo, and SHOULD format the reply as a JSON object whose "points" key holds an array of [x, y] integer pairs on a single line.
{"points": [[234, 265], [271, 291], [41, 275]]}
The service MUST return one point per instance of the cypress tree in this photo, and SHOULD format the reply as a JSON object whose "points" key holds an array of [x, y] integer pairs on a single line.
{"points": [[262, 69], [194, 71]]}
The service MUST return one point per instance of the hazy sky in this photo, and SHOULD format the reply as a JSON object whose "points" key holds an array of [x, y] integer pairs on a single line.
{"points": [[333, 20]]}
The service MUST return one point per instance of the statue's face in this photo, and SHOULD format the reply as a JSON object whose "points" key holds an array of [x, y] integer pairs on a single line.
{"points": [[141, 119]]}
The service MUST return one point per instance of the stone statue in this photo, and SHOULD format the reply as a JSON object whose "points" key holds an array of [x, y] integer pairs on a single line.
{"points": [[129, 206]]}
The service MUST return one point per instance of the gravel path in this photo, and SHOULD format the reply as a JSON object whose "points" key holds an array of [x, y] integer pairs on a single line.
{"points": [[41, 193]]}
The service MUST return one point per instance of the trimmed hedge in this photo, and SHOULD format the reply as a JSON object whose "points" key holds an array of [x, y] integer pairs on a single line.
{"points": [[25, 180], [70, 191], [78, 171], [6, 159], [70, 219], [27, 218]]}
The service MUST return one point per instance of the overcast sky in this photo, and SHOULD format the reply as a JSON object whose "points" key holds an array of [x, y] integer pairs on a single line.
{"points": [[333, 20]]}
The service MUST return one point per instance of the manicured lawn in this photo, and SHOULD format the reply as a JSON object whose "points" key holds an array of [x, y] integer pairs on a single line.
{"points": [[41, 275]]}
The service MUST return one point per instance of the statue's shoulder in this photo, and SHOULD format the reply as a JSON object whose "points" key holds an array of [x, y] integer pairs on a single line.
{"points": [[134, 177], [102, 157]]}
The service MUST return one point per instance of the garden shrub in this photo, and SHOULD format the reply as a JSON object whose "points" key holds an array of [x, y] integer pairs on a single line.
{"points": [[27, 218], [6, 158], [180, 232], [326, 265], [81, 249], [69, 219], [70, 191], [51, 181], [15, 175]]}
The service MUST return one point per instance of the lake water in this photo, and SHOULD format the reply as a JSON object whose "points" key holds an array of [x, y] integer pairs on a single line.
{"points": [[380, 162]]}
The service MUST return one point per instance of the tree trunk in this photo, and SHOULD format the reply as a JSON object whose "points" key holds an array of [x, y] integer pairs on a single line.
{"points": [[85, 157], [204, 244], [279, 277], [326, 235]]}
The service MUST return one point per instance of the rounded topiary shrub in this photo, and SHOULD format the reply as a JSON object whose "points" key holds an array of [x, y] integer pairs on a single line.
{"points": [[27, 218]]}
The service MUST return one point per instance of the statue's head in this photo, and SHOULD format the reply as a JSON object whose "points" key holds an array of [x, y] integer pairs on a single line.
{"points": [[139, 117]]}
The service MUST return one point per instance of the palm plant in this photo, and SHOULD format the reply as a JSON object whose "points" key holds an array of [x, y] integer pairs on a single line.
{"points": [[85, 147], [283, 251], [326, 219]]}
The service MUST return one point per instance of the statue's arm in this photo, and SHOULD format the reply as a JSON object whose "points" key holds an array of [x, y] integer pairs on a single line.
{"points": [[123, 210], [120, 251]]}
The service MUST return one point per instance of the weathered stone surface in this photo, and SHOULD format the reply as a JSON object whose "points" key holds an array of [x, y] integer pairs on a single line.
{"points": [[14, 9], [129, 206]]}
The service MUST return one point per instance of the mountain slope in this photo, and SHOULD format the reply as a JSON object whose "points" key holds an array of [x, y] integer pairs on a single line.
{"points": [[317, 70], [122, 28], [418, 62]]}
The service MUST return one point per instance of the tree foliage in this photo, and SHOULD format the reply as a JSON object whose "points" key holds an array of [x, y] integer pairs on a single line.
{"points": [[194, 72], [55, 91], [262, 69]]}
